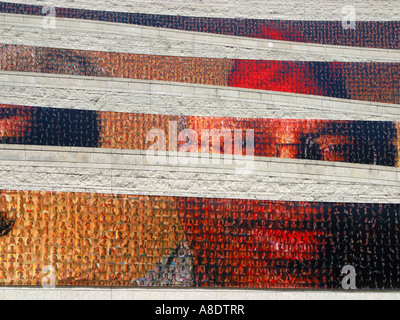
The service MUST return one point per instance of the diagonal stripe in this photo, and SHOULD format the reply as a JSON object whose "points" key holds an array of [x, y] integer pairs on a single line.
{"points": [[319, 10], [107, 171], [117, 37], [377, 82], [367, 34], [155, 97]]}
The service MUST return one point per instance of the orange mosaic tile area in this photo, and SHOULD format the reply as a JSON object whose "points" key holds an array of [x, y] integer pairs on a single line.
{"points": [[105, 240], [378, 82]]}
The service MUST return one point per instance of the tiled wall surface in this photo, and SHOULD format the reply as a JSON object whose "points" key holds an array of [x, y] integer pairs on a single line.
{"points": [[361, 142], [26, 167], [375, 82], [374, 34], [371, 10], [115, 240]]}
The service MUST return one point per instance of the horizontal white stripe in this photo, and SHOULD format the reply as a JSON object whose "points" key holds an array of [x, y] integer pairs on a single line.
{"points": [[139, 96], [129, 172], [189, 294], [115, 37], [367, 10]]}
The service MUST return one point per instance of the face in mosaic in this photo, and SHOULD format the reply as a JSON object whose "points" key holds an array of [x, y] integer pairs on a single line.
{"points": [[377, 82], [363, 142], [120, 240], [105, 240]]}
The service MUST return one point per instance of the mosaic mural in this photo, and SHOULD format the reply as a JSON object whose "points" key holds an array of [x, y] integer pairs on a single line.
{"points": [[369, 34], [362, 142], [126, 240], [110, 240], [377, 82]]}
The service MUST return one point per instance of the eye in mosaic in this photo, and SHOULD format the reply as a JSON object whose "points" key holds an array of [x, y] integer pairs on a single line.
{"points": [[362, 142], [115, 240]]}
